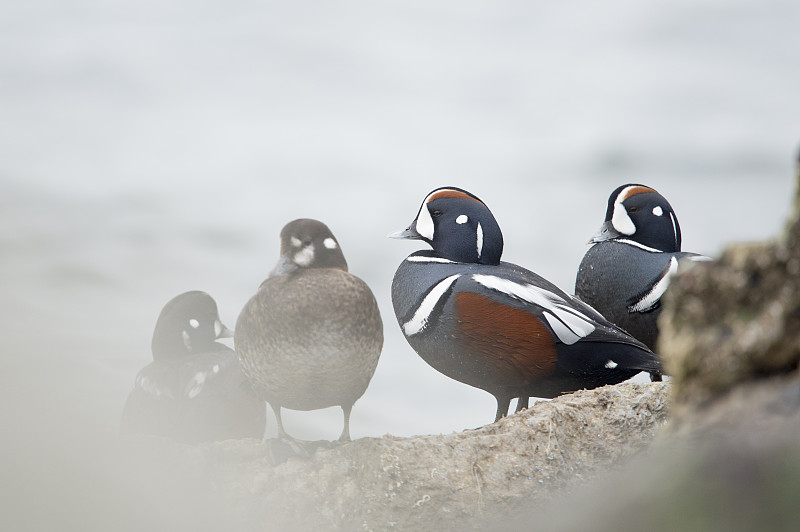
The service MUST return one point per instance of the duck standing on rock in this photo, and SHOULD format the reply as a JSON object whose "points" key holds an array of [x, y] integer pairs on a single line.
{"points": [[194, 389], [495, 325], [311, 336], [633, 256]]}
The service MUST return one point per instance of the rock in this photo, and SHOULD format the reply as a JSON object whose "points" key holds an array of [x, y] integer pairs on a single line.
{"points": [[731, 466], [735, 319], [437, 482]]}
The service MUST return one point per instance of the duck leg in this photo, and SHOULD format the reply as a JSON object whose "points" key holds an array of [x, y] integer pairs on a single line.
{"points": [[522, 403], [346, 430], [281, 432], [502, 406]]}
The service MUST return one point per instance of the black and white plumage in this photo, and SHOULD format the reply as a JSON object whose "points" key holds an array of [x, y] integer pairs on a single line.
{"points": [[495, 325], [194, 389], [633, 256], [311, 336]]}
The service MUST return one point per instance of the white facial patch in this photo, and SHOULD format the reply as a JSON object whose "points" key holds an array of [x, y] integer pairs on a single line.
{"points": [[620, 219], [611, 364], [658, 211], [194, 324], [569, 324], [462, 219], [296, 242], [215, 368], [479, 242], [424, 225], [420, 319], [330, 243], [305, 256]]}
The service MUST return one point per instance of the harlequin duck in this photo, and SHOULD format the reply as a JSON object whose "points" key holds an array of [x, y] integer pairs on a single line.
{"points": [[628, 269], [495, 325], [194, 389], [311, 336]]}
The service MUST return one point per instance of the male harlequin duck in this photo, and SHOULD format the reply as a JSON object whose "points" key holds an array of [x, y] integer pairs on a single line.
{"points": [[311, 336], [495, 325], [628, 269], [194, 389]]}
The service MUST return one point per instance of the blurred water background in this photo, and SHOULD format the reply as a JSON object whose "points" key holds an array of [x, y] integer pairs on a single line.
{"points": [[150, 148]]}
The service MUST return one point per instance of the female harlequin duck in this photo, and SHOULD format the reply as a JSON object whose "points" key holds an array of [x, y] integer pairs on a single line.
{"points": [[635, 252], [495, 325], [194, 389], [311, 336]]}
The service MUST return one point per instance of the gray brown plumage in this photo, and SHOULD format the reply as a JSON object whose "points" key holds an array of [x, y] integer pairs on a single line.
{"points": [[311, 336]]}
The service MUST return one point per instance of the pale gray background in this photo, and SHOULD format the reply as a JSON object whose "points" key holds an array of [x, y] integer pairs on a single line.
{"points": [[148, 148]]}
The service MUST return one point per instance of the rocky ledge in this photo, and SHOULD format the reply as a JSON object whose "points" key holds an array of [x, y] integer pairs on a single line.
{"points": [[437, 482], [606, 459]]}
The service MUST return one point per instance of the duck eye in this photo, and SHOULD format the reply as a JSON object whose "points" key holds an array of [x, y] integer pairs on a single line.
{"points": [[436, 213], [633, 209]]}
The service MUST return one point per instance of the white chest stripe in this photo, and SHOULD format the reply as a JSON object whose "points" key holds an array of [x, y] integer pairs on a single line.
{"points": [[148, 386], [569, 324], [195, 384], [420, 319], [654, 295]]}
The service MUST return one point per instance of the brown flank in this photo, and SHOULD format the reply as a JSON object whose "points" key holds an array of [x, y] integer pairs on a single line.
{"points": [[514, 343]]}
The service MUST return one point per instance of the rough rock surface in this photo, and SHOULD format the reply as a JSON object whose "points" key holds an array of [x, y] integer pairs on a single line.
{"points": [[735, 319], [437, 482]]}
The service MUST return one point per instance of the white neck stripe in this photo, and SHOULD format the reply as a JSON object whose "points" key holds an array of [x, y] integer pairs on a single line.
{"points": [[638, 245], [422, 258], [480, 240]]}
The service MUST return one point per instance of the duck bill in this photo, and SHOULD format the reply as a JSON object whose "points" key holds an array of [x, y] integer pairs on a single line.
{"points": [[284, 266], [606, 232], [221, 330], [409, 233]]}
